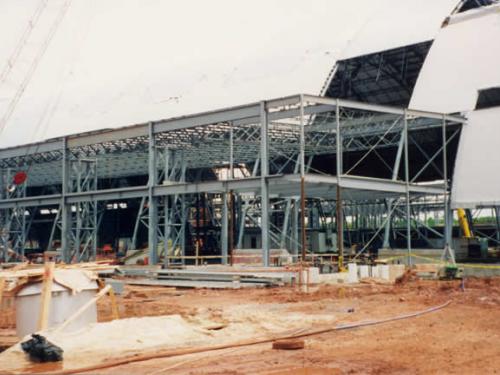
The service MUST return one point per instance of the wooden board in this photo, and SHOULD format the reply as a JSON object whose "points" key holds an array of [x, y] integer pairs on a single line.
{"points": [[48, 280]]}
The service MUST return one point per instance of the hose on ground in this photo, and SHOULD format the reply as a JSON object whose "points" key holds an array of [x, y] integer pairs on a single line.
{"points": [[179, 352]]}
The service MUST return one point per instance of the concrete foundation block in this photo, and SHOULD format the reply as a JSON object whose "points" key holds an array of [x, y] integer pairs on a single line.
{"points": [[313, 273], [352, 273], [384, 272], [364, 271], [333, 278]]}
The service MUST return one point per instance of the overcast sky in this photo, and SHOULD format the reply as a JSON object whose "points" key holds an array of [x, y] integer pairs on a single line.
{"points": [[119, 62]]}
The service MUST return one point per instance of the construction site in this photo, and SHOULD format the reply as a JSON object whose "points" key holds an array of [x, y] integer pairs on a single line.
{"points": [[320, 199]]}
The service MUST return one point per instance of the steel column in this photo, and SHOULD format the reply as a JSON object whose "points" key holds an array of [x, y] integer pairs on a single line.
{"points": [[407, 186], [152, 200], [65, 207], [224, 230], [339, 211], [448, 251], [264, 172]]}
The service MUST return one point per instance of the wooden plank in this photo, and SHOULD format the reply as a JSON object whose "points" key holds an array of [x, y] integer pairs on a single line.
{"points": [[114, 305], [22, 273], [39, 271], [48, 279]]}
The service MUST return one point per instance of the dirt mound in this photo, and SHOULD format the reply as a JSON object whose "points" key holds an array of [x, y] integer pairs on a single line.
{"points": [[407, 277]]}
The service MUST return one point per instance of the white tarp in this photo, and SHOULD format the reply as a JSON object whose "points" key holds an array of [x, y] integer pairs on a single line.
{"points": [[476, 180], [464, 58], [119, 62]]}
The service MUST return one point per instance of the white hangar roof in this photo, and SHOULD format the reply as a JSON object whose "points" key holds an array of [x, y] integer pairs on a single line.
{"points": [[117, 62]]}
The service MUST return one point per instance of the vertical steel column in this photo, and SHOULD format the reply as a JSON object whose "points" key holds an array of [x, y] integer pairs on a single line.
{"points": [[224, 230], [448, 224], [303, 239], [76, 186], [339, 210], [166, 211], [167, 231], [231, 151], [153, 203], [264, 172], [407, 185], [184, 197], [96, 221], [496, 212], [225, 214], [65, 207], [295, 229]]}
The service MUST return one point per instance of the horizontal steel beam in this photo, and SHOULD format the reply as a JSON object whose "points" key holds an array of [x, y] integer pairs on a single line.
{"points": [[41, 200], [369, 184], [41, 147], [343, 103], [246, 185]]}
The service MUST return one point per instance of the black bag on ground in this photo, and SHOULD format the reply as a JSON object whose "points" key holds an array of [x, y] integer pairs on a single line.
{"points": [[41, 350]]}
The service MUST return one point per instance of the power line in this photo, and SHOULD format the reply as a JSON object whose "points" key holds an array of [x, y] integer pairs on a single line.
{"points": [[34, 64]]}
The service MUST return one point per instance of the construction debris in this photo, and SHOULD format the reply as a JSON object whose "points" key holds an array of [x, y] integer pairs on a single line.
{"points": [[289, 344], [41, 350]]}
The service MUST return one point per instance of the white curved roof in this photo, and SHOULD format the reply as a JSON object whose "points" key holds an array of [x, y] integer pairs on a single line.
{"points": [[119, 62], [463, 59], [476, 178], [399, 23]]}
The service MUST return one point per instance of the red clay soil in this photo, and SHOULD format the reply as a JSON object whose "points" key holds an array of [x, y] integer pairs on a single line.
{"points": [[463, 338]]}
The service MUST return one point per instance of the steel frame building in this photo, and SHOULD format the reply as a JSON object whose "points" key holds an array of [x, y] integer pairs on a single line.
{"points": [[257, 164]]}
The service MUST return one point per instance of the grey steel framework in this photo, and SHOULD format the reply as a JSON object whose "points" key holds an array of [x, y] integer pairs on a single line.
{"points": [[262, 158]]}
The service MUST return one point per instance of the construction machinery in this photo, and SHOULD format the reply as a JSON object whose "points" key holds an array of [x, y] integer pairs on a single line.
{"points": [[473, 246]]}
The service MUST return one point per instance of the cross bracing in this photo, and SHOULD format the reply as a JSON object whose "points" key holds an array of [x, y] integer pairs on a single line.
{"points": [[274, 144], [208, 146]]}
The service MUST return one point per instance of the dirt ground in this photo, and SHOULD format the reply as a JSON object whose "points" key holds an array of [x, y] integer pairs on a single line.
{"points": [[462, 338]]}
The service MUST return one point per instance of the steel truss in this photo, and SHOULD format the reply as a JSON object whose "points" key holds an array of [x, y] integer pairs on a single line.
{"points": [[280, 189], [12, 220]]}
